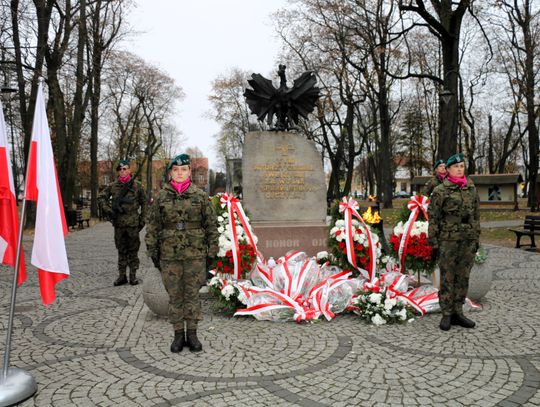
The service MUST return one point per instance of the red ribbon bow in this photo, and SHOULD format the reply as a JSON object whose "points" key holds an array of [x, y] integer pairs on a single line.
{"points": [[349, 207]]}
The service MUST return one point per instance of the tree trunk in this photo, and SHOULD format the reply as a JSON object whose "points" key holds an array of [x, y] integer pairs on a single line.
{"points": [[95, 97], [448, 100], [385, 153], [532, 200]]}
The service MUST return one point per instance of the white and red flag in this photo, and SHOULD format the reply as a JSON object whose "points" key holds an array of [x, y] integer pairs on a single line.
{"points": [[9, 218], [49, 251]]}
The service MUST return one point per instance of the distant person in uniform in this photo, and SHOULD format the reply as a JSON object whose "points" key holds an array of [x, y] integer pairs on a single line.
{"points": [[181, 236], [123, 202], [439, 174], [454, 233]]}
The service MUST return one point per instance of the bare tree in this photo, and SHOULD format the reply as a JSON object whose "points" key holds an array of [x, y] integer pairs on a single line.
{"points": [[443, 20], [231, 112], [524, 35]]}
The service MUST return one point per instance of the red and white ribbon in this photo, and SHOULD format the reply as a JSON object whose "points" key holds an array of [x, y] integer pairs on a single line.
{"points": [[235, 207], [418, 203], [300, 313], [349, 208], [319, 295]]}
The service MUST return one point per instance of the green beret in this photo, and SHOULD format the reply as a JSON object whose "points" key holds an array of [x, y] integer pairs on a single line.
{"points": [[182, 159], [455, 159], [437, 163], [121, 164]]}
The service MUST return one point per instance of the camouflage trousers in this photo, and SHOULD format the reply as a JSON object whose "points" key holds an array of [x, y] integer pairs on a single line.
{"points": [[127, 243], [182, 280], [456, 259]]}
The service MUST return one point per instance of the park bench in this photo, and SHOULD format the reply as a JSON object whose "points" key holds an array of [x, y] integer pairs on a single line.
{"points": [[83, 215], [531, 227]]}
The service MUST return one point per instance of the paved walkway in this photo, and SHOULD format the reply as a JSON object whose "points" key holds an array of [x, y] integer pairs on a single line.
{"points": [[99, 345]]}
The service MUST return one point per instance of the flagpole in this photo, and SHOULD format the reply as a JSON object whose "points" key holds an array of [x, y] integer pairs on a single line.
{"points": [[16, 384]]}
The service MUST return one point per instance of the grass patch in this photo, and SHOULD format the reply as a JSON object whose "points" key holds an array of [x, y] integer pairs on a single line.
{"points": [[499, 237]]}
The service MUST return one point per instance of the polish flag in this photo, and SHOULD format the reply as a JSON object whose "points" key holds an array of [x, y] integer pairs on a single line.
{"points": [[49, 251], [9, 218]]}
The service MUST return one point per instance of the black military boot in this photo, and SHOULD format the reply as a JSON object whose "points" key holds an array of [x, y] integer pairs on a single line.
{"points": [[178, 342], [192, 341], [461, 320], [133, 277], [446, 323], [121, 280]]}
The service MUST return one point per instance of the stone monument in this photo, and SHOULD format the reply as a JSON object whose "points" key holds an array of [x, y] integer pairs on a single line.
{"points": [[284, 186], [284, 191]]}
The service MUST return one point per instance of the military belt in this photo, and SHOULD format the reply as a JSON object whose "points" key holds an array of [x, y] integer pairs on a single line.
{"points": [[184, 226]]}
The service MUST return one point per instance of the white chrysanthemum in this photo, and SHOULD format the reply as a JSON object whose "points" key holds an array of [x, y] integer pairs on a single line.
{"points": [[402, 314], [221, 229], [390, 303], [223, 240], [375, 298], [220, 219], [378, 320], [225, 214], [322, 255], [227, 291], [340, 237], [340, 223], [333, 231], [398, 229], [215, 282]]}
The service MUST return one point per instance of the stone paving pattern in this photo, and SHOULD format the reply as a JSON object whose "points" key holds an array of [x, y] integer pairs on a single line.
{"points": [[99, 345]]}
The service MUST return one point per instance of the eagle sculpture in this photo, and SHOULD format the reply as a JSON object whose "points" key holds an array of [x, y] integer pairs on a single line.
{"points": [[287, 104]]}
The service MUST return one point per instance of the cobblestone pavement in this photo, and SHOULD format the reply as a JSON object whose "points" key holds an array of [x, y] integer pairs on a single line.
{"points": [[99, 345]]}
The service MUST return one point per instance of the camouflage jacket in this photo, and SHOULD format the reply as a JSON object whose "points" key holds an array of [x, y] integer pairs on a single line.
{"points": [[181, 226], [129, 214], [454, 213], [430, 185]]}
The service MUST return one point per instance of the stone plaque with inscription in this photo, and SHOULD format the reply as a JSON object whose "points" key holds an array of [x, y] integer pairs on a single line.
{"points": [[284, 190]]}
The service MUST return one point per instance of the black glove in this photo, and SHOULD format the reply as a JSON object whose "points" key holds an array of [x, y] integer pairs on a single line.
{"points": [[141, 224], [155, 260], [210, 262]]}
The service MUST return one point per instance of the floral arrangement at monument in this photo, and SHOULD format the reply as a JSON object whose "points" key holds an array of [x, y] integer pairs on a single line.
{"points": [[296, 288], [379, 308], [230, 294], [409, 240], [237, 243], [390, 299], [481, 255], [352, 242]]}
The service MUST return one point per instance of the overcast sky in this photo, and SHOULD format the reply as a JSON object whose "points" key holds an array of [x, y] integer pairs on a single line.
{"points": [[195, 41]]}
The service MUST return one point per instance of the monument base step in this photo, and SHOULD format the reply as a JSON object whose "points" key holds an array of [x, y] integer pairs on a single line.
{"points": [[276, 239]]}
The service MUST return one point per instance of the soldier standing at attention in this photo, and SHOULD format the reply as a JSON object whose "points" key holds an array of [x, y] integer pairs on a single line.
{"points": [[439, 174], [181, 235], [454, 232], [127, 211]]}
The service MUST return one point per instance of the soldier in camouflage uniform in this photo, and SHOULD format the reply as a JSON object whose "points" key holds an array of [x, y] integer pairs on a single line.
{"points": [[123, 202], [439, 174], [181, 235], [454, 232]]}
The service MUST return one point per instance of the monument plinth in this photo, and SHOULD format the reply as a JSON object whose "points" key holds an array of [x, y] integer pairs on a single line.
{"points": [[284, 190]]}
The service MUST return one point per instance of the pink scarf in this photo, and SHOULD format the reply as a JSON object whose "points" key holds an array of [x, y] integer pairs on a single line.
{"points": [[460, 182], [441, 177], [125, 179], [181, 186]]}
